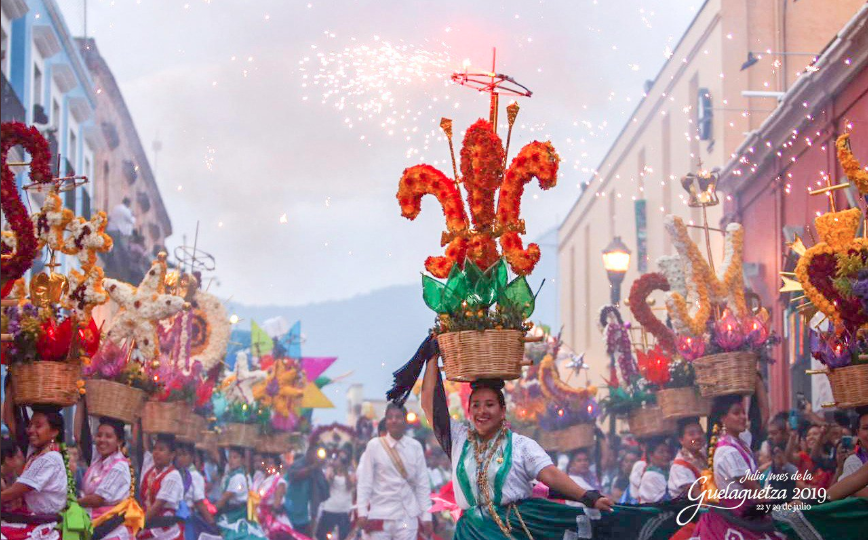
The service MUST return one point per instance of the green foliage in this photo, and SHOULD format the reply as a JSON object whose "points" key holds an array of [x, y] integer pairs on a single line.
{"points": [[472, 299]]}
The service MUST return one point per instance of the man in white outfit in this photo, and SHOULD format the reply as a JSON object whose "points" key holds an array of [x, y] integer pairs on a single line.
{"points": [[393, 495]]}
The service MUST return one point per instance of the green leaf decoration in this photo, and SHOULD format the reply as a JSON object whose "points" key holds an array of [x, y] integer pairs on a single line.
{"points": [[456, 290], [432, 293], [480, 292], [497, 274], [519, 296]]}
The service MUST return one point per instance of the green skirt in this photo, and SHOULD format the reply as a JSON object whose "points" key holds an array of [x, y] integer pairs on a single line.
{"points": [[839, 520], [546, 520], [233, 525]]}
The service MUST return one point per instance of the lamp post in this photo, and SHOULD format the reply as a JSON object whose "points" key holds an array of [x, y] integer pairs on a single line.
{"points": [[616, 261]]}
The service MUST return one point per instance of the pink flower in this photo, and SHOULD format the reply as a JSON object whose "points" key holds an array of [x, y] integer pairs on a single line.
{"points": [[728, 333], [690, 348], [757, 332]]}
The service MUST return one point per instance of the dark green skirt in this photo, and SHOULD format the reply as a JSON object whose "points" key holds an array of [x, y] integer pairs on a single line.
{"points": [[546, 520], [846, 519]]}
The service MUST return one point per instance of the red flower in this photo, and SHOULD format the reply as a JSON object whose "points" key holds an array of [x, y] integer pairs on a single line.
{"points": [[14, 211], [54, 341], [89, 338]]}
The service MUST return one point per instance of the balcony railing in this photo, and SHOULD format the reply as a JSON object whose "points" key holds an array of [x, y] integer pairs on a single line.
{"points": [[11, 108]]}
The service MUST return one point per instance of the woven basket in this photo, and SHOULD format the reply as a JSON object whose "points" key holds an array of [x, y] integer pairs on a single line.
{"points": [[114, 400], [207, 442], [849, 385], [162, 417], [276, 443], [47, 383], [649, 422], [574, 437], [243, 435], [192, 426], [548, 440], [726, 373], [491, 354], [683, 403]]}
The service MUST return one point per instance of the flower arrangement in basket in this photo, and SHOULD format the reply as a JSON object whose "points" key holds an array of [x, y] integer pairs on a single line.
{"points": [[833, 276], [131, 366], [240, 424], [481, 316], [47, 329], [634, 395], [712, 326]]}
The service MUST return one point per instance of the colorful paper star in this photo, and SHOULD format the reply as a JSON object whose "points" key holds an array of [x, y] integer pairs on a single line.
{"points": [[86, 238], [141, 308], [239, 386]]}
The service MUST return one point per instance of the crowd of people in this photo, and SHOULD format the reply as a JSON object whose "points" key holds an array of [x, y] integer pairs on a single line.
{"points": [[384, 486]]}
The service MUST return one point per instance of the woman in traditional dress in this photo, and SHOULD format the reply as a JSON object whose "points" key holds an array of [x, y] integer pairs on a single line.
{"points": [[690, 459], [234, 521], [197, 518], [107, 483], [271, 512], [161, 492], [42, 486], [653, 484], [495, 468], [735, 515]]}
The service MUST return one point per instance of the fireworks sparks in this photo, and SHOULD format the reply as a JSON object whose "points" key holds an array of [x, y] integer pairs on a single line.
{"points": [[374, 85]]}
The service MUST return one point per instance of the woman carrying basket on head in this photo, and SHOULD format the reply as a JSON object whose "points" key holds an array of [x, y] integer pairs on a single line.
{"points": [[494, 470], [235, 518], [108, 486], [42, 486], [732, 460], [161, 492]]}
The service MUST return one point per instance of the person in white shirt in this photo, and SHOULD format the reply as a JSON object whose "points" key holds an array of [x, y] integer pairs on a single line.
{"points": [[258, 470], [690, 459], [121, 219], [653, 484], [197, 518], [494, 469], [107, 482], [232, 506], [395, 466], [580, 472], [336, 509], [161, 492], [43, 484], [631, 496]]}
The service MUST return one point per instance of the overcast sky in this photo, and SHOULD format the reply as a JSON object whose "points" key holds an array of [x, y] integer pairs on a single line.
{"points": [[295, 186]]}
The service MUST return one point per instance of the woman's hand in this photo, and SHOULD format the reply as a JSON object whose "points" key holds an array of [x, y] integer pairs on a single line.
{"points": [[604, 504]]}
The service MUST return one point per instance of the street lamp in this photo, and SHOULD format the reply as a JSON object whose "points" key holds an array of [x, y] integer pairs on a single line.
{"points": [[616, 261]]}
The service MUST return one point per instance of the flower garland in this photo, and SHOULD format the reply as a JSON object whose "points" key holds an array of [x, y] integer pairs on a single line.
{"points": [[617, 339], [86, 290], [482, 158], [215, 330], [51, 222], [536, 160], [16, 263], [854, 171], [423, 180], [688, 319], [340, 434], [641, 311], [482, 163]]}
